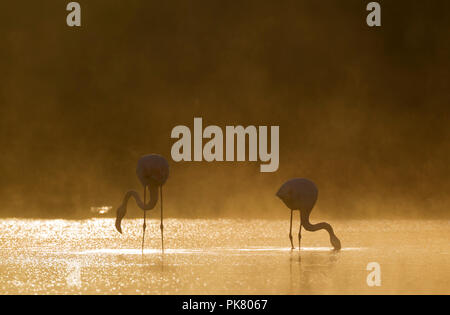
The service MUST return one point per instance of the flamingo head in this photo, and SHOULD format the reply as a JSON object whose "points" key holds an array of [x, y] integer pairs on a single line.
{"points": [[335, 242]]}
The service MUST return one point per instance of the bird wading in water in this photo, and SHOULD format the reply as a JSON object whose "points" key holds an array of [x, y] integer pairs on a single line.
{"points": [[152, 171], [301, 194]]}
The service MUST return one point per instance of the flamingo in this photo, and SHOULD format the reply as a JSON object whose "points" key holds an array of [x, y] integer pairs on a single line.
{"points": [[301, 194], [152, 171]]}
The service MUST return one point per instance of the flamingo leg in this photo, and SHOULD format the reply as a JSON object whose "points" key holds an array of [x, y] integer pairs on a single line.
{"points": [[162, 225], [300, 234], [144, 226], [290, 232]]}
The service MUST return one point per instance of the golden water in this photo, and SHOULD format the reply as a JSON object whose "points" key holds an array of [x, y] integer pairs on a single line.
{"points": [[220, 257]]}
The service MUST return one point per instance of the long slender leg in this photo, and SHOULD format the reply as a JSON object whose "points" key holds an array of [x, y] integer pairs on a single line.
{"points": [[290, 232], [162, 225], [144, 226], [300, 234]]}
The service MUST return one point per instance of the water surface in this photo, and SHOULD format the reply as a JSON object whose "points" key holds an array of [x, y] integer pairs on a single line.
{"points": [[220, 257]]}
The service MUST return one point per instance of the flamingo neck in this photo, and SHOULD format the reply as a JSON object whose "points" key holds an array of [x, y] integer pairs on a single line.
{"points": [[150, 205], [315, 227]]}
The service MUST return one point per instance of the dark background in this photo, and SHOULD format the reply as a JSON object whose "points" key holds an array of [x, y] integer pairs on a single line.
{"points": [[364, 112]]}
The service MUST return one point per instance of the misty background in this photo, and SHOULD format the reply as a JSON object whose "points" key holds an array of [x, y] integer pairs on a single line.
{"points": [[363, 112]]}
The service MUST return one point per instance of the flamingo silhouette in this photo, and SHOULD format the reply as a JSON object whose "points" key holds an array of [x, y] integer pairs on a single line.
{"points": [[152, 171], [301, 194]]}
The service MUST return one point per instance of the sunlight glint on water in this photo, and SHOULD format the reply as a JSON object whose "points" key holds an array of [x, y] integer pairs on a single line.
{"points": [[220, 256]]}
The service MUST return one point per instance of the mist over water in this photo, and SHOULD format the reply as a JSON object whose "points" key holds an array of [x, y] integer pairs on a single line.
{"points": [[362, 112]]}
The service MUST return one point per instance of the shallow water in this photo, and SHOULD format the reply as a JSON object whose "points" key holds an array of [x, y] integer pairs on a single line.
{"points": [[221, 257]]}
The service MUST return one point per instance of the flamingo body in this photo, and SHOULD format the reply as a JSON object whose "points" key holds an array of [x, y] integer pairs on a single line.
{"points": [[299, 194], [152, 170]]}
